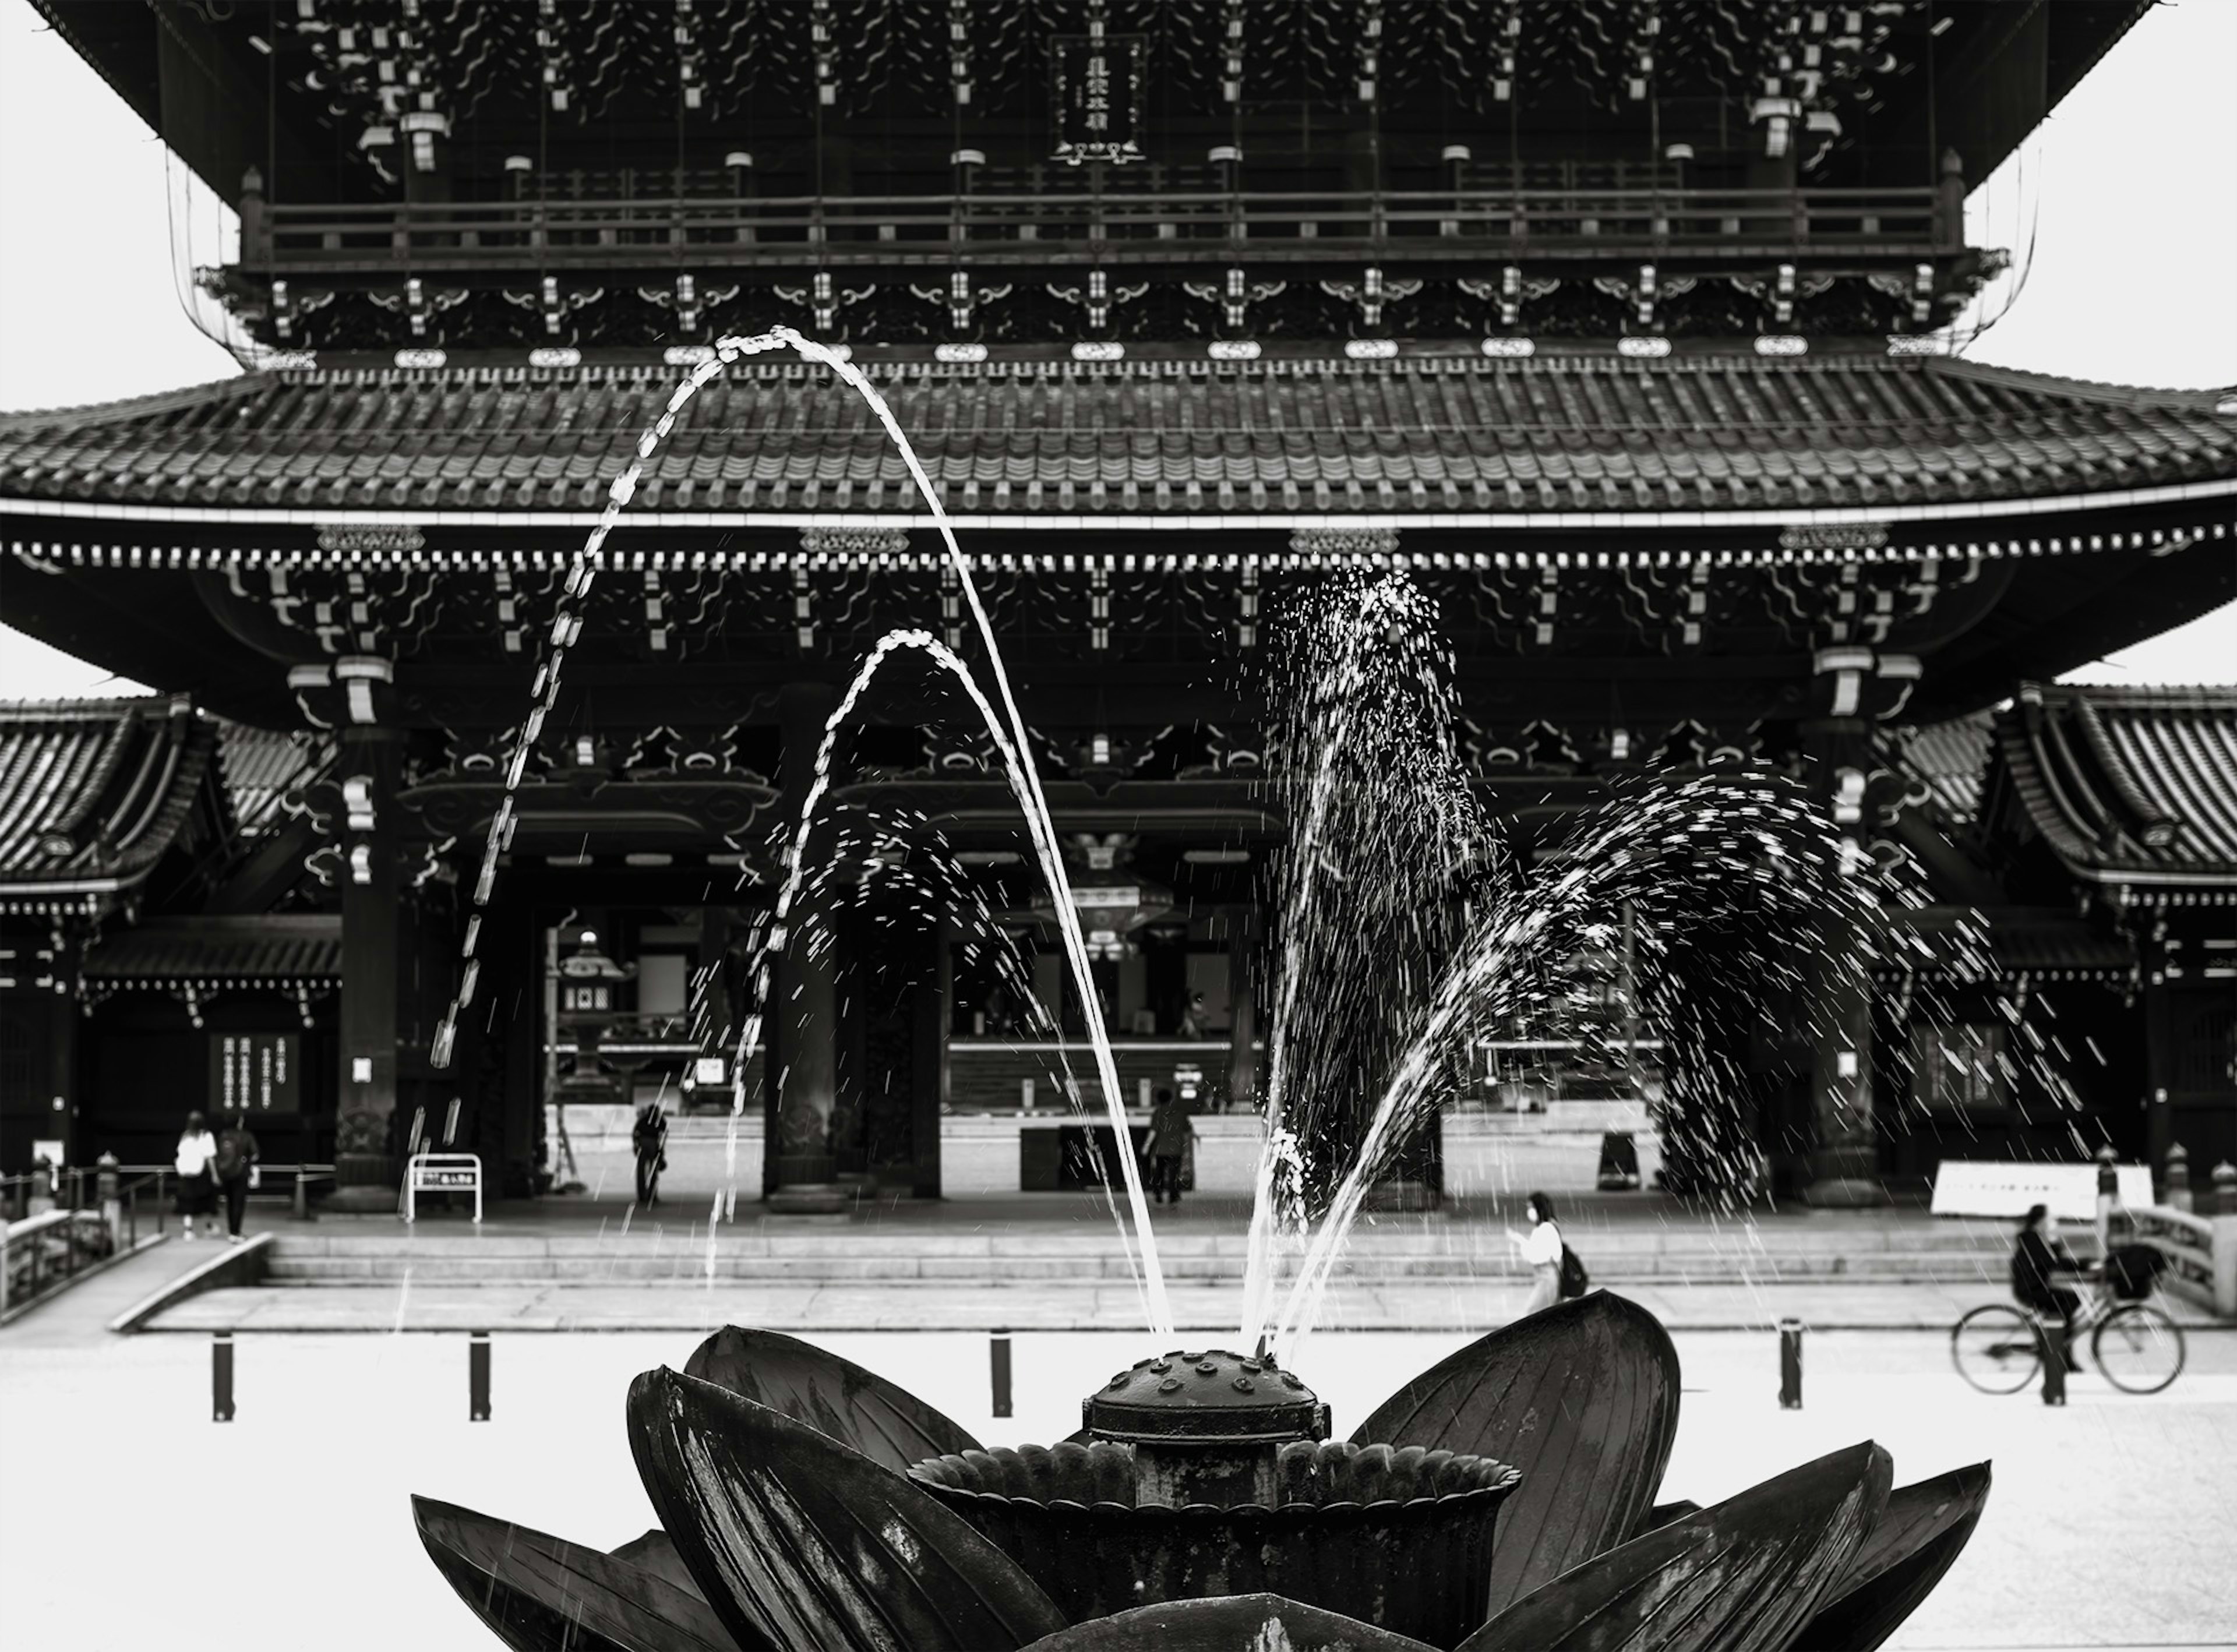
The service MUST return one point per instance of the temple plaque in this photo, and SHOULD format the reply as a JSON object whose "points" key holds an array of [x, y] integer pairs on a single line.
{"points": [[255, 1073], [1097, 86]]}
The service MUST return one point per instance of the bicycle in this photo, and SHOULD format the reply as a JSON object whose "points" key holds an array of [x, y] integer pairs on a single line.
{"points": [[2139, 1349]]}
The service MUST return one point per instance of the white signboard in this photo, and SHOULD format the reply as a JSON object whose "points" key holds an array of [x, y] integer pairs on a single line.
{"points": [[445, 1173], [1969, 1188]]}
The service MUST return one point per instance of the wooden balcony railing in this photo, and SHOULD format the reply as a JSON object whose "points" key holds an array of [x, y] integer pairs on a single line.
{"points": [[1467, 228]]}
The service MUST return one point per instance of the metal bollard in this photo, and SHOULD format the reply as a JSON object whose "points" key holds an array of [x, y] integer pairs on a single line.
{"points": [[1789, 1364], [997, 1353], [2050, 1344], [478, 1376], [221, 1376]]}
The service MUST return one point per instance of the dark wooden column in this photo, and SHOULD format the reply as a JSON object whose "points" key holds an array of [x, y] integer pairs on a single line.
{"points": [[39, 1016], [801, 1175], [365, 1145], [860, 984], [932, 1011], [2160, 1123], [1845, 1155], [1242, 995]]}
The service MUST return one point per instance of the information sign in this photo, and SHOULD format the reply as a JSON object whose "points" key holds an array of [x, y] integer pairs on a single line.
{"points": [[1970, 1187]]}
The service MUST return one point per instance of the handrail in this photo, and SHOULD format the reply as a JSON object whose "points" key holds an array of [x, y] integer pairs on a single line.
{"points": [[943, 205], [27, 1249], [2201, 1253], [1014, 227]]}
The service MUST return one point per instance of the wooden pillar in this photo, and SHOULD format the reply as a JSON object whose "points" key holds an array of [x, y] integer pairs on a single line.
{"points": [[1845, 1155], [2161, 1125], [933, 1011], [365, 1144], [39, 1015], [1242, 995], [855, 983], [713, 940], [800, 1174]]}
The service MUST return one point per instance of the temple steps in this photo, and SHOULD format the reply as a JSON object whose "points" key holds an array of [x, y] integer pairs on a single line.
{"points": [[843, 1257]]}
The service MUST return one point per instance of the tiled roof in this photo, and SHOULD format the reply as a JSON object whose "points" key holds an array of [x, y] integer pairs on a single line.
{"points": [[286, 949], [259, 767], [2128, 785], [1968, 943], [1950, 758], [1424, 433], [91, 794]]}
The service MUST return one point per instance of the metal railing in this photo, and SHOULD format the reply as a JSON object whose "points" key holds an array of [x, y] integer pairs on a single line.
{"points": [[2201, 1253], [1461, 226], [78, 1188], [42, 1251]]}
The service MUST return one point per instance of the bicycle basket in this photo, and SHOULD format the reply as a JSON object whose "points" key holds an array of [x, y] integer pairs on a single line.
{"points": [[2131, 1270]]}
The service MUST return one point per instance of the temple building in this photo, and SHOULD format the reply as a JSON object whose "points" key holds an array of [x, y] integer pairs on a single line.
{"points": [[1622, 325]]}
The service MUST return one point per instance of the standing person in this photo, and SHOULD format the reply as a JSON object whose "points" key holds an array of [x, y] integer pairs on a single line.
{"points": [[1541, 1250], [197, 1151], [1170, 1132], [235, 1166], [2037, 1258], [649, 1138]]}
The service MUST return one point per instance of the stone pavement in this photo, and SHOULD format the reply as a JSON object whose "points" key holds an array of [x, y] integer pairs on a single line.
{"points": [[2110, 1525], [1042, 1306]]}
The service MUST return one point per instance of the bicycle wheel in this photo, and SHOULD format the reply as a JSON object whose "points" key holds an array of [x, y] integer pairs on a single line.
{"points": [[2138, 1348], [1994, 1349]]}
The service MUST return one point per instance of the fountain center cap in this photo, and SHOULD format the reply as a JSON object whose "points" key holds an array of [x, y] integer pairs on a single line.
{"points": [[1213, 1399]]}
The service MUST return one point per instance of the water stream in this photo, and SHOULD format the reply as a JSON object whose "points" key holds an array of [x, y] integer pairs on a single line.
{"points": [[1016, 748], [1394, 901]]}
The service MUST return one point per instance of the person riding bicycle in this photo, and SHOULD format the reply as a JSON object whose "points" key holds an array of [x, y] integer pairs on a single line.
{"points": [[2037, 1259]]}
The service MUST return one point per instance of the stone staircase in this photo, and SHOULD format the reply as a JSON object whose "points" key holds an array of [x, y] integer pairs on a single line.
{"points": [[1411, 1251]]}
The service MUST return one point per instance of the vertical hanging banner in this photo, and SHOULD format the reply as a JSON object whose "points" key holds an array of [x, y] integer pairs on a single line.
{"points": [[1097, 87]]}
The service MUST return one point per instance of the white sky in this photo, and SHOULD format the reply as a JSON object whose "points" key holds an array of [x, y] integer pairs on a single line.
{"points": [[2128, 195]]}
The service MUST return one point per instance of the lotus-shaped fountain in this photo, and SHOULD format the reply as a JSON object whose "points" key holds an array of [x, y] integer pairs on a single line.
{"points": [[1501, 1500]]}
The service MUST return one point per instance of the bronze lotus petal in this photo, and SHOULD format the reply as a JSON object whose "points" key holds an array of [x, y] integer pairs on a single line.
{"points": [[542, 1594], [807, 1503]]}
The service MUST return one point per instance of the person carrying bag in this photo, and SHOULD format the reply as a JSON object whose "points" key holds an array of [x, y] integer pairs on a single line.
{"points": [[1556, 1273]]}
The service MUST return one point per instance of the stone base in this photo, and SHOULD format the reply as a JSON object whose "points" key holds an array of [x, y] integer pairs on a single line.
{"points": [[361, 1198], [1400, 1193], [810, 1199], [1844, 1193]]}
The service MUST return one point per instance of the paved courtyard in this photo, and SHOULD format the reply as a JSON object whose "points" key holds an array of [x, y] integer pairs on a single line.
{"points": [[2110, 1526]]}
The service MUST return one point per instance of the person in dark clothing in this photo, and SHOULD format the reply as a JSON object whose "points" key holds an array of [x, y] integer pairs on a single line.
{"points": [[236, 1170], [649, 1138], [2036, 1260], [1170, 1131]]}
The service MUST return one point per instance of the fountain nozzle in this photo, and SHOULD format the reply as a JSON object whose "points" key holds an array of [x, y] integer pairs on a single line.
{"points": [[1206, 1428]]}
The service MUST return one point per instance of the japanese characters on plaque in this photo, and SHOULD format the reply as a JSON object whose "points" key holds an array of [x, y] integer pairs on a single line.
{"points": [[1098, 86], [255, 1073]]}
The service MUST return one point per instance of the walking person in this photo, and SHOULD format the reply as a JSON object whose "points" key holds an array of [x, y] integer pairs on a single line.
{"points": [[196, 1153], [649, 1137], [235, 1166], [2037, 1259], [1542, 1251], [1171, 1131]]}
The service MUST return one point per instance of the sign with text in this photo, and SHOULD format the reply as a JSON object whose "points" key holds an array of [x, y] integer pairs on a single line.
{"points": [[1098, 85], [257, 1072], [1970, 1187]]}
